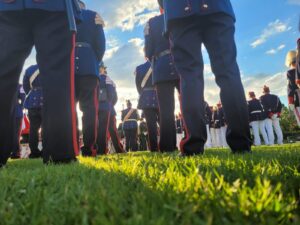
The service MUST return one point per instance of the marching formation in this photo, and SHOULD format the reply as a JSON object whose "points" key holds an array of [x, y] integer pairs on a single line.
{"points": [[70, 44]]}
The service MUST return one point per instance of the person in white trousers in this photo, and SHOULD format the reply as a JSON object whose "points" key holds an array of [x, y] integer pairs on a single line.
{"points": [[272, 107], [223, 125], [293, 86], [208, 117], [216, 117], [257, 119]]}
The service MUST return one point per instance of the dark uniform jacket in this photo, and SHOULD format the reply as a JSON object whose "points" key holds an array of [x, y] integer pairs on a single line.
{"points": [[107, 90], [271, 104], [48, 5], [90, 45], [218, 118], [148, 97], [292, 88], [256, 111], [183, 8], [157, 49], [33, 88], [208, 113], [131, 123]]}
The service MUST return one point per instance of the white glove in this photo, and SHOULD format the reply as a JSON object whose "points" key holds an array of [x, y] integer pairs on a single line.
{"points": [[292, 107], [274, 116]]}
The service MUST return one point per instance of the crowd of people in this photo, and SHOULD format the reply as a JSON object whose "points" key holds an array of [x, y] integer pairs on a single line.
{"points": [[70, 70]]}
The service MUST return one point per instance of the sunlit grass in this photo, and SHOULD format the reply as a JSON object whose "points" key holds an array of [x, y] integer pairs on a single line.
{"points": [[146, 188]]}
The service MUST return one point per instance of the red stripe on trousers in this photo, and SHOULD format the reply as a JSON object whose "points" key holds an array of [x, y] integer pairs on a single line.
{"points": [[106, 133], [73, 111], [184, 140], [117, 134]]}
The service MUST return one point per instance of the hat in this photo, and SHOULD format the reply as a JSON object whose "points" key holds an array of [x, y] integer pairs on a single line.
{"points": [[101, 65], [251, 94], [266, 89], [290, 58]]}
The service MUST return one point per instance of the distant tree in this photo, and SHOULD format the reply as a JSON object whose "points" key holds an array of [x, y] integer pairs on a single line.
{"points": [[288, 121]]}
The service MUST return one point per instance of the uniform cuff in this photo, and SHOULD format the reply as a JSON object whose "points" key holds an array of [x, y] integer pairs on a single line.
{"points": [[291, 100], [297, 81]]}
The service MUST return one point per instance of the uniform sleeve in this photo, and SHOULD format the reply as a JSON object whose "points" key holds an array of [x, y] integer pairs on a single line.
{"points": [[262, 102], [137, 115], [279, 105], [26, 83], [123, 115], [149, 46], [290, 89], [137, 82], [100, 40], [21, 95]]}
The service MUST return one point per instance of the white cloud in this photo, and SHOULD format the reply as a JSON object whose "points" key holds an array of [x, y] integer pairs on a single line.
{"points": [[255, 83], [125, 14], [122, 61], [272, 29], [274, 51]]}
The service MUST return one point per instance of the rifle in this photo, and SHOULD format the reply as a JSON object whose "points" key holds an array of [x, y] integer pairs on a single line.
{"points": [[71, 15]]}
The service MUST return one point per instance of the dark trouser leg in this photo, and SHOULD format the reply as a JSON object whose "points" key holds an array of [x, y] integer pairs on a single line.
{"points": [[16, 146], [54, 44], [189, 63], [220, 44], [15, 45], [133, 140], [87, 95], [165, 94], [102, 132], [35, 119], [114, 135], [127, 140], [151, 116]]}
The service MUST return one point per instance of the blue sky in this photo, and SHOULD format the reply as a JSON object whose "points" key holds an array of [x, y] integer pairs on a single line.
{"points": [[265, 31]]}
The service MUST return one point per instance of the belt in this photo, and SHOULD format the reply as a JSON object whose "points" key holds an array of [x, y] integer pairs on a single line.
{"points": [[130, 120], [257, 111], [149, 89], [82, 45], [163, 53]]}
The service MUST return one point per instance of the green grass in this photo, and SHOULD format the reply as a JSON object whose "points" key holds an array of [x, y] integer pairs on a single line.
{"points": [[158, 189]]}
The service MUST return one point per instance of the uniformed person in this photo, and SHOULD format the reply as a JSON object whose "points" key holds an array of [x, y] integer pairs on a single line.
{"points": [[18, 122], [211, 22], [179, 129], [148, 102], [165, 79], [257, 119], [130, 116], [293, 91], [90, 48], [34, 104], [114, 133], [24, 23], [217, 121], [143, 133], [223, 125], [112, 124], [272, 107], [208, 118], [106, 95]]}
